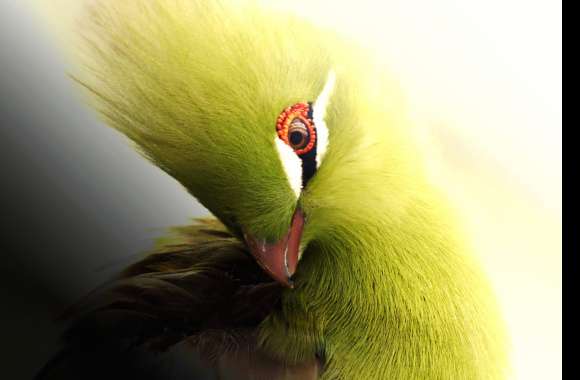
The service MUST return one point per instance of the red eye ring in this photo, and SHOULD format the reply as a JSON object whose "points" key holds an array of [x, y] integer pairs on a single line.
{"points": [[297, 111]]}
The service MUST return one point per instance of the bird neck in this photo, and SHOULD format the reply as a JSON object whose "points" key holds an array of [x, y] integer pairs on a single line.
{"points": [[389, 299]]}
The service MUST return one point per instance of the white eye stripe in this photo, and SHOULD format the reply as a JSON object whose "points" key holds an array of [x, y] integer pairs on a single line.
{"points": [[292, 165], [318, 115]]}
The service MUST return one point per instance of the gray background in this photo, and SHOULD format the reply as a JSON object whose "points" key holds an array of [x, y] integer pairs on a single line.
{"points": [[76, 201]]}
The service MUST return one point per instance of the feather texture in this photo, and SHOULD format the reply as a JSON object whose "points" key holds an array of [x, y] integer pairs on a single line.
{"points": [[386, 286], [197, 300]]}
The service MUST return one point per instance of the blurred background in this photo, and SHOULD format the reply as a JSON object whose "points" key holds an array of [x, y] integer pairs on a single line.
{"points": [[483, 79]]}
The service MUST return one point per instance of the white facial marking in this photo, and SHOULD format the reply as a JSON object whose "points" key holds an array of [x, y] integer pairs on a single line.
{"points": [[292, 165], [318, 115]]}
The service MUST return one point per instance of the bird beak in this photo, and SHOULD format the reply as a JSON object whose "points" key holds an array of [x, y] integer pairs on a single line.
{"points": [[280, 259]]}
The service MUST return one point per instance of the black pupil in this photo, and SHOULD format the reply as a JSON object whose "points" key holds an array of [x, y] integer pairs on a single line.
{"points": [[296, 138]]}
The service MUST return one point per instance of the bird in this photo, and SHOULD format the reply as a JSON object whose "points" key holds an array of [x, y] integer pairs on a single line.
{"points": [[330, 254]]}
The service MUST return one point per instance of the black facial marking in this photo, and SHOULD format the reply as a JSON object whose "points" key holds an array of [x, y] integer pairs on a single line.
{"points": [[308, 165], [309, 159], [310, 111]]}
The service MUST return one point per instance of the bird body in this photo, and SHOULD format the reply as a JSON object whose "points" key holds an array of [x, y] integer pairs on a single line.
{"points": [[374, 277]]}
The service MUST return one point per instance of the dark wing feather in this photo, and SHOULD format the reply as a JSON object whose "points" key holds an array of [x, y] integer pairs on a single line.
{"points": [[187, 311]]}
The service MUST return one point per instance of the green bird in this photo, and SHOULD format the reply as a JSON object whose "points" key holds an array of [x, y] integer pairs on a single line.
{"points": [[332, 255]]}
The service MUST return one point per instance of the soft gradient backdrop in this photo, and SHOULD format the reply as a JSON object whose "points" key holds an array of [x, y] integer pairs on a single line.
{"points": [[483, 77]]}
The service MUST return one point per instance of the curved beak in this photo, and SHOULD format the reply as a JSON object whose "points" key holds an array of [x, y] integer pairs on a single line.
{"points": [[280, 259]]}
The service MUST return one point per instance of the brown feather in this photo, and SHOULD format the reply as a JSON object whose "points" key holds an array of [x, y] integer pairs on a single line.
{"points": [[199, 297]]}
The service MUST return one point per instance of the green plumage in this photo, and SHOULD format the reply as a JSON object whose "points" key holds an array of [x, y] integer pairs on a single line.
{"points": [[386, 287]]}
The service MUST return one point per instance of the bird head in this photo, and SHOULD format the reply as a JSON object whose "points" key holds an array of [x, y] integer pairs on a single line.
{"points": [[271, 123]]}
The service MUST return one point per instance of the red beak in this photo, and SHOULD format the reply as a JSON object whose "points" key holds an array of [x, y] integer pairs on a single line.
{"points": [[280, 259]]}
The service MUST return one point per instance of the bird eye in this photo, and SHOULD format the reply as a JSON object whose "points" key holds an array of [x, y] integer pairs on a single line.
{"points": [[296, 128], [298, 136]]}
